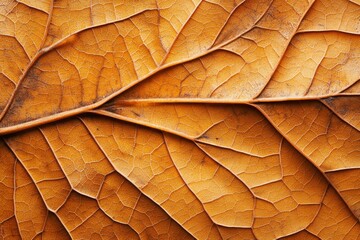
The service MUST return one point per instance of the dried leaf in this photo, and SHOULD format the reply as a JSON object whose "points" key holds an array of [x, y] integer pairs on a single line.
{"points": [[180, 119]]}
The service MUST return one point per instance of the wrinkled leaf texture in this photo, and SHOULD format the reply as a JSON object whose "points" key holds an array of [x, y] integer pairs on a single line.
{"points": [[180, 119]]}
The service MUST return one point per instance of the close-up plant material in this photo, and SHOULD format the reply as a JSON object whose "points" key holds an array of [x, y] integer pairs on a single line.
{"points": [[180, 119]]}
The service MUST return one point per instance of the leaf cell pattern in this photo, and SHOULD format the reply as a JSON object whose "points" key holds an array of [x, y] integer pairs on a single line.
{"points": [[169, 119]]}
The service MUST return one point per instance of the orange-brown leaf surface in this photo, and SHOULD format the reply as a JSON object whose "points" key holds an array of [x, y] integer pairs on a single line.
{"points": [[180, 119]]}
